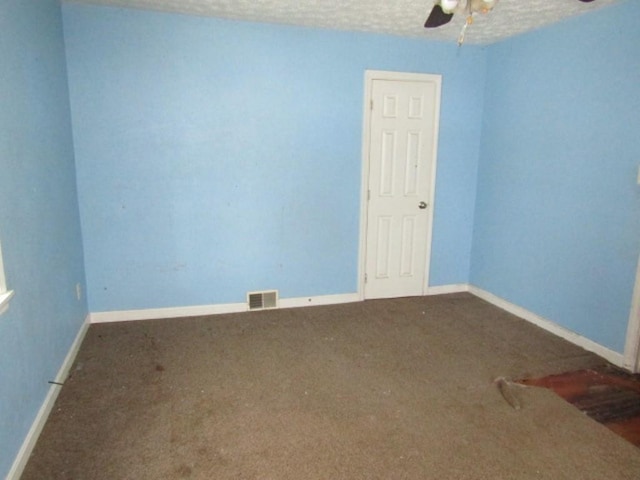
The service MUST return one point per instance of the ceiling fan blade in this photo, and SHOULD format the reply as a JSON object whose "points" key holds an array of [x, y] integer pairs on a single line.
{"points": [[586, 1], [437, 17]]}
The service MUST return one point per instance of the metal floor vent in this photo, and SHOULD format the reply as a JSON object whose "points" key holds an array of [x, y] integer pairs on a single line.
{"points": [[262, 300]]}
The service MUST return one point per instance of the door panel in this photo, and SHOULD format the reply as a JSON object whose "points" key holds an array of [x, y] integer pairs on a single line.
{"points": [[402, 132]]}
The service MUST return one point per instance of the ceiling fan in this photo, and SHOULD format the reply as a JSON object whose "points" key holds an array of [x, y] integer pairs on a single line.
{"points": [[443, 11]]}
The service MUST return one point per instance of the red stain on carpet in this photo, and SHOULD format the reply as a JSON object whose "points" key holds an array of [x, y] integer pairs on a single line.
{"points": [[606, 394]]}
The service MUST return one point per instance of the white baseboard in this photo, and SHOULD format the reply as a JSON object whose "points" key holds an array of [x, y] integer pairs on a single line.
{"points": [[446, 289], [170, 312], [30, 440], [552, 327], [199, 310], [320, 300]]}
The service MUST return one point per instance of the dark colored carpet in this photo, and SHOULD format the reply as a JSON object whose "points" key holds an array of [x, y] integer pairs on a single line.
{"points": [[387, 389]]}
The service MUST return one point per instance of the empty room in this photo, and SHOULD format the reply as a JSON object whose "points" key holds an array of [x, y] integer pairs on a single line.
{"points": [[319, 239]]}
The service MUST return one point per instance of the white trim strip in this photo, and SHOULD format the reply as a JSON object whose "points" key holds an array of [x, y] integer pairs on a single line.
{"points": [[320, 300], [30, 440], [632, 346], [446, 289], [171, 312], [552, 327], [4, 300], [200, 310]]}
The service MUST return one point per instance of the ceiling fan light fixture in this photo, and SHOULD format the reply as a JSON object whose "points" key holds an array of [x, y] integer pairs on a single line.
{"points": [[449, 6], [487, 6], [444, 10]]}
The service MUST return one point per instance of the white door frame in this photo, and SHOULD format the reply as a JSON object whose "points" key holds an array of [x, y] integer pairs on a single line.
{"points": [[369, 77], [632, 347]]}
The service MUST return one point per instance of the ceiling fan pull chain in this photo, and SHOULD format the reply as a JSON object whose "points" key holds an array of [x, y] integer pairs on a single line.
{"points": [[464, 30]]}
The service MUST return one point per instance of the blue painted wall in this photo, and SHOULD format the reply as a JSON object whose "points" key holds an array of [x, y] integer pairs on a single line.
{"points": [[557, 223], [218, 157], [39, 220]]}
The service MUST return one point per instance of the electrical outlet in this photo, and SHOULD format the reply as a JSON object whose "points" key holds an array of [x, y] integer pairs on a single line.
{"points": [[78, 291]]}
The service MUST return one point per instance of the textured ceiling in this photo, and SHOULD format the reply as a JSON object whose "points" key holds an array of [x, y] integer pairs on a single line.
{"points": [[399, 17]]}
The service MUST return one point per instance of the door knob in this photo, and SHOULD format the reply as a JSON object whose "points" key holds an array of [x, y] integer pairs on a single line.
{"points": [[422, 205]]}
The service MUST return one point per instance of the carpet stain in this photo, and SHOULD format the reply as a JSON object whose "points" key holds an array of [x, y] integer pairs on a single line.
{"points": [[184, 471]]}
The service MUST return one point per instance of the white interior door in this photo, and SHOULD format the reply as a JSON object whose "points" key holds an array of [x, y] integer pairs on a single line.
{"points": [[402, 134]]}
